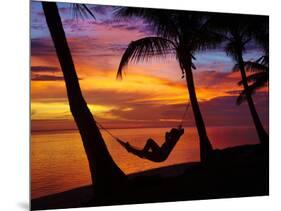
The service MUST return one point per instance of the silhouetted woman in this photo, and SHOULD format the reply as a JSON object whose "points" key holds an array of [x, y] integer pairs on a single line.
{"points": [[152, 151]]}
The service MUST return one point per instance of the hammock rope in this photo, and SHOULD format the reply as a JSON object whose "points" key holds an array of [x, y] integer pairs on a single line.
{"points": [[184, 114], [106, 130], [120, 141]]}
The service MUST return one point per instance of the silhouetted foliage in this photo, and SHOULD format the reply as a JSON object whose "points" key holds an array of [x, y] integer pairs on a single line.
{"points": [[237, 32], [180, 33], [81, 11], [258, 78]]}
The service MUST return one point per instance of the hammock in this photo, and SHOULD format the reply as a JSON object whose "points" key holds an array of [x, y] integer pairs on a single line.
{"points": [[151, 150], [157, 154]]}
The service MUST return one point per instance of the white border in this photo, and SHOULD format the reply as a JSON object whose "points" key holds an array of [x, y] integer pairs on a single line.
{"points": [[14, 111]]}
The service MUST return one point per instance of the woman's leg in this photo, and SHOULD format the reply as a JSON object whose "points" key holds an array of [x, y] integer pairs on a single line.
{"points": [[150, 144], [155, 154]]}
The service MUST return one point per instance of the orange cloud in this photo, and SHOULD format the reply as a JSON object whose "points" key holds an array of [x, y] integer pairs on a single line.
{"points": [[49, 97]]}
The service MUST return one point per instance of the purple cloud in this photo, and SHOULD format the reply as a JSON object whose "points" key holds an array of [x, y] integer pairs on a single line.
{"points": [[38, 77], [50, 69], [41, 46]]}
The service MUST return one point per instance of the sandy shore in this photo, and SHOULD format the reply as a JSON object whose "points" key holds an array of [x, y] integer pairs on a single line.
{"points": [[234, 172]]}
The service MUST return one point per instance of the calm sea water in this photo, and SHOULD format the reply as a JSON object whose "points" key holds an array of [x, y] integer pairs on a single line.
{"points": [[58, 161]]}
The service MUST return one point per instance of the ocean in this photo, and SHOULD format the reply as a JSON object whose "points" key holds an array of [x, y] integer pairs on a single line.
{"points": [[59, 163]]}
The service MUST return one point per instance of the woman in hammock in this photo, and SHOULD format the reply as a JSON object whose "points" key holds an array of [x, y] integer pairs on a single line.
{"points": [[152, 151]]}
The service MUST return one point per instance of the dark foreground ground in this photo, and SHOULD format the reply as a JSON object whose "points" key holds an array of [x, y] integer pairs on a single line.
{"points": [[234, 172]]}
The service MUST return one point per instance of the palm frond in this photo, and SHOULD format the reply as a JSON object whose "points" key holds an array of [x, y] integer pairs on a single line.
{"points": [[241, 98], [260, 33], [232, 49], [235, 68], [255, 67], [205, 38], [81, 11], [256, 77], [263, 60], [260, 65], [251, 89], [258, 80], [160, 20], [143, 49]]}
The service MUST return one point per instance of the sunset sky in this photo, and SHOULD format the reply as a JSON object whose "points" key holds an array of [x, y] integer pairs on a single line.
{"points": [[151, 94]]}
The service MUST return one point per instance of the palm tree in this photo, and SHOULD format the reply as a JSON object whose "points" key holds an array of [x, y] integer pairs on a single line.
{"points": [[238, 31], [259, 69], [105, 173], [179, 33]]}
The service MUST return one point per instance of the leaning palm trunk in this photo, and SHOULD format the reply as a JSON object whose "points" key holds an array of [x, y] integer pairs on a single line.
{"points": [[263, 136], [205, 144], [105, 173]]}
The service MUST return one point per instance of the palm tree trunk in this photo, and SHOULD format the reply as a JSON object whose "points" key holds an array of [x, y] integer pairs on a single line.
{"points": [[205, 144], [105, 173], [263, 136]]}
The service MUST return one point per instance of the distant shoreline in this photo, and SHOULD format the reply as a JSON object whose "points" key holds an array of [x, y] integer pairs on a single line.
{"points": [[74, 129]]}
